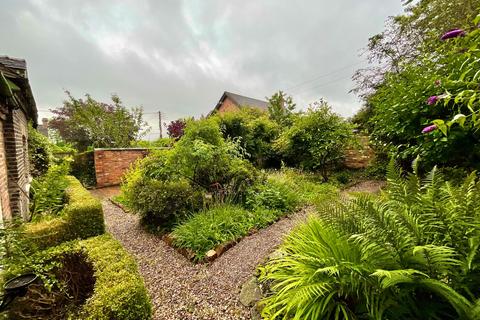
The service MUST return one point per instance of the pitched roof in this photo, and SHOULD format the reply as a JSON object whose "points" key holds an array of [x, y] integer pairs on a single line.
{"points": [[242, 101], [13, 74]]}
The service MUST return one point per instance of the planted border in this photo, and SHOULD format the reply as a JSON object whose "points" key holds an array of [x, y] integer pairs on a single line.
{"points": [[81, 218]]}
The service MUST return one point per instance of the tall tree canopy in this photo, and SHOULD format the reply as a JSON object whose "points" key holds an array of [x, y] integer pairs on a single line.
{"points": [[88, 122]]}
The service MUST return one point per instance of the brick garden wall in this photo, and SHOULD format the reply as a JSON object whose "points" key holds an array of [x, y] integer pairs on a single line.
{"points": [[111, 164]]}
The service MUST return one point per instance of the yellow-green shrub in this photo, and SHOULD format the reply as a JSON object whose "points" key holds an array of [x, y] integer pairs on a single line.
{"points": [[81, 218]]}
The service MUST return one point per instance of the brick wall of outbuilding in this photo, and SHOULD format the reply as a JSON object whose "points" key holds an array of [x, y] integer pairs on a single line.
{"points": [[111, 164], [4, 198], [15, 130], [228, 106]]}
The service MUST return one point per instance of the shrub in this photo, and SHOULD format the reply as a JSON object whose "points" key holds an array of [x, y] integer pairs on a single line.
{"points": [[39, 152], [81, 218], [48, 192], [98, 270], [411, 254], [273, 195], [161, 203], [256, 133], [167, 184], [316, 140], [83, 168], [219, 225]]}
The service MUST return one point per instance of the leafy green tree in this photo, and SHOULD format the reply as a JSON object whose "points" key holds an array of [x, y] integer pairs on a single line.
{"points": [[88, 122], [281, 107], [431, 107], [39, 152], [316, 140], [255, 132]]}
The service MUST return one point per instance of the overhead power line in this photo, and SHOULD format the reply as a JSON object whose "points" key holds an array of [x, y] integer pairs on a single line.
{"points": [[321, 76]]}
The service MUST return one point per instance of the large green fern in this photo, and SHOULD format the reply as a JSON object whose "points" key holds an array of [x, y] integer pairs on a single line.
{"points": [[411, 253]]}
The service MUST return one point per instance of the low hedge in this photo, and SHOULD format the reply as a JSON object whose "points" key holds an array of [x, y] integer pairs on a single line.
{"points": [[117, 291], [81, 218]]}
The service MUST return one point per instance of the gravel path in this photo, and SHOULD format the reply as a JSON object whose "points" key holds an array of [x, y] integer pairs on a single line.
{"points": [[182, 290]]}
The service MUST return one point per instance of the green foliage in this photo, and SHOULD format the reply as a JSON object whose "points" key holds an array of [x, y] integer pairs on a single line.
{"points": [[159, 143], [83, 168], [39, 152], [118, 289], [168, 184], [48, 192], [409, 254], [316, 140], [280, 108], [161, 203], [87, 122], [81, 218], [219, 225], [255, 133], [273, 195]]}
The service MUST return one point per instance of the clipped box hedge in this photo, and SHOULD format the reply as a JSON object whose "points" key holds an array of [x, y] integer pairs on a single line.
{"points": [[81, 218], [119, 291]]}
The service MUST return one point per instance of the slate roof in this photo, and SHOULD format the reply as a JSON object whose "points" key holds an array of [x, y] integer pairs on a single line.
{"points": [[242, 101], [14, 74]]}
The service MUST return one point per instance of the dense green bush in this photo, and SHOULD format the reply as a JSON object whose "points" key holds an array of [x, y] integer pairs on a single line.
{"points": [[409, 254], [256, 133], [430, 107], [83, 168], [219, 225], [273, 195], [39, 152], [201, 167], [47, 192], [316, 140], [89, 279], [82, 217]]}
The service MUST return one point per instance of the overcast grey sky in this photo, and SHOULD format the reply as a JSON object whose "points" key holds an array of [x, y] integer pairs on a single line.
{"points": [[179, 56]]}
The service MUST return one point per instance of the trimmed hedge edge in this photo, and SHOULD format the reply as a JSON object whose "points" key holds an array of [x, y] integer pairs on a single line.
{"points": [[119, 291], [81, 218]]}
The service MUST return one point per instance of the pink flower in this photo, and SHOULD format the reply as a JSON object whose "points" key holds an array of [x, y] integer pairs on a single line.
{"points": [[453, 34], [432, 100], [429, 128]]}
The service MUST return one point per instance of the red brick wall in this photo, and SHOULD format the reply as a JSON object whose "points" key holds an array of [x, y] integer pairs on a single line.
{"points": [[16, 151], [228, 106], [4, 198], [111, 164]]}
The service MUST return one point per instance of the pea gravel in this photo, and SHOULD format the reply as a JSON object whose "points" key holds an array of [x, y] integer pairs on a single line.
{"points": [[181, 290]]}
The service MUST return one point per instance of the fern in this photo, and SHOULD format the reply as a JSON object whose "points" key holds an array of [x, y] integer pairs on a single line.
{"points": [[411, 253]]}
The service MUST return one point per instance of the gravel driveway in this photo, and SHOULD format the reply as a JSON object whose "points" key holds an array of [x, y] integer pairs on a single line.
{"points": [[182, 290]]}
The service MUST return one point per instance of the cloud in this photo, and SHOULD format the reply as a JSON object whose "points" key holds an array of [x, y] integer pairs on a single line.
{"points": [[179, 56]]}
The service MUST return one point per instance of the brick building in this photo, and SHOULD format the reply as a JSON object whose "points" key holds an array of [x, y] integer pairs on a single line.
{"points": [[17, 108], [232, 102]]}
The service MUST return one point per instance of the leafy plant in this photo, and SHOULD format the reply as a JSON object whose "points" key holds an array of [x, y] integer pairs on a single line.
{"points": [[39, 152], [272, 195], [48, 192], [175, 128], [87, 122], [410, 254], [316, 140], [219, 225]]}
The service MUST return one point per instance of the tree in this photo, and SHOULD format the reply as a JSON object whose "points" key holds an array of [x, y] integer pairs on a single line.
{"points": [[280, 108], [175, 128], [87, 122], [316, 140], [408, 36]]}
